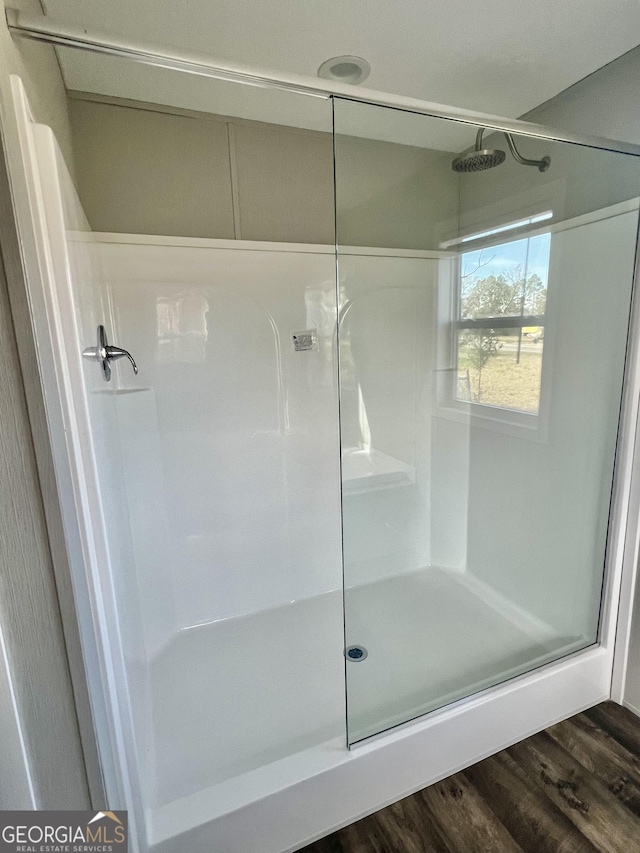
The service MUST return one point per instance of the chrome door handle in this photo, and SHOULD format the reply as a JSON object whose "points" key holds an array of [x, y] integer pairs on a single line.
{"points": [[104, 353]]}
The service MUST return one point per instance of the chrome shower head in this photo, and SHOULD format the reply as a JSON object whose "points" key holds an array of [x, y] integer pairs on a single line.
{"points": [[478, 159]]}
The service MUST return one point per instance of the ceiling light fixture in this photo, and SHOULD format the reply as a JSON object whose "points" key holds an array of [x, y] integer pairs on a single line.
{"points": [[345, 69]]}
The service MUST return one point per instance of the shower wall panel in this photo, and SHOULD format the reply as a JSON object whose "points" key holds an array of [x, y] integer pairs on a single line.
{"points": [[245, 491], [232, 456], [590, 275], [387, 358]]}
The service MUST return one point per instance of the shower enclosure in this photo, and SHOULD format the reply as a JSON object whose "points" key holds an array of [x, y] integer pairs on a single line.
{"points": [[359, 518]]}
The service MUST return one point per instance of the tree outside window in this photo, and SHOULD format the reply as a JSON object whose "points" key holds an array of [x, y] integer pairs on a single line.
{"points": [[500, 324]]}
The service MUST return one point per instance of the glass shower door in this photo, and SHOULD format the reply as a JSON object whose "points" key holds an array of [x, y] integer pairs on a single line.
{"points": [[483, 316]]}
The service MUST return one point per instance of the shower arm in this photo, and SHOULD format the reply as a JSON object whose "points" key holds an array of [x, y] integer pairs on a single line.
{"points": [[542, 164]]}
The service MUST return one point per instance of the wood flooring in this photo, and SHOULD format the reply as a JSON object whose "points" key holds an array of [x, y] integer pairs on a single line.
{"points": [[574, 788]]}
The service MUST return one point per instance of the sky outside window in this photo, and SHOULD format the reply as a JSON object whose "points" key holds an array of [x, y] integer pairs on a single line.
{"points": [[499, 365]]}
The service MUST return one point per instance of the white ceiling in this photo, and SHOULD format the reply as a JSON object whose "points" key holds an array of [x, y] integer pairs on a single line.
{"points": [[498, 56]]}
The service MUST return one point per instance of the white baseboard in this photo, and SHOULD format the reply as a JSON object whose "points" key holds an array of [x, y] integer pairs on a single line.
{"points": [[631, 707]]}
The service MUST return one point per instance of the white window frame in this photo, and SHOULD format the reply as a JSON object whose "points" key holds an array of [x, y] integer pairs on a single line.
{"points": [[507, 421]]}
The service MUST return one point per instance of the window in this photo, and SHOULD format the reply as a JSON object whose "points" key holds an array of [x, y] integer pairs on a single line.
{"points": [[500, 324]]}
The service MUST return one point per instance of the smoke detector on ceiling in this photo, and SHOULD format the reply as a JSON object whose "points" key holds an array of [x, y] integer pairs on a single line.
{"points": [[345, 69]]}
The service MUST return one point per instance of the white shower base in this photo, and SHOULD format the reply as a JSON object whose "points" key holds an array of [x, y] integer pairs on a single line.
{"points": [[268, 688], [434, 636]]}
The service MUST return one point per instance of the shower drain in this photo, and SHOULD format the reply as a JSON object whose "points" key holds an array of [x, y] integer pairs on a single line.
{"points": [[355, 653]]}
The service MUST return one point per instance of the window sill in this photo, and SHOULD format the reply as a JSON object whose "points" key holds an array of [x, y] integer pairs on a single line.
{"points": [[506, 421]]}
